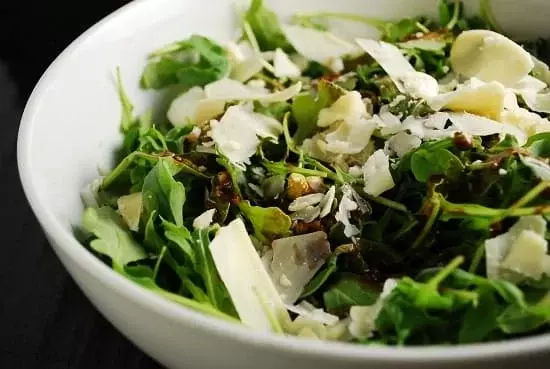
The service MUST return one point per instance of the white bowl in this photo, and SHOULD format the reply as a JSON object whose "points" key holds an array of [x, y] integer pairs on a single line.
{"points": [[70, 128]]}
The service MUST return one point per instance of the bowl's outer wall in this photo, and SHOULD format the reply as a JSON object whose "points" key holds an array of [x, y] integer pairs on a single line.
{"points": [[70, 128]]}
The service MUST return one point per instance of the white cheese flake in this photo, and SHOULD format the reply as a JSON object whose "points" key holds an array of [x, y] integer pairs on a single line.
{"points": [[390, 59], [236, 135], [350, 136], [538, 167], [309, 311], [284, 67], [129, 207], [498, 249], [347, 107], [526, 255], [320, 46], [363, 318], [250, 287], [377, 175], [303, 202], [230, 90], [420, 85], [184, 108], [204, 220], [528, 122], [402, 143], [490, 56], [480, 126], [326, 203], [485, 100], [346, 206], [539, 102], [245, 63], [295, 262]]}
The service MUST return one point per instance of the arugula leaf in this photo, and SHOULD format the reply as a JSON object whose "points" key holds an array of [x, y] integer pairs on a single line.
{"points": [[113, 238], [163, 194], [480, 320], [539, 145], [397, 31], [427, 163], [268, 223], [321, 277], [400, 318], [266, 27], [445, 11], [175, 138], [196, 61], [349, 292], [181, 237], [144, 277], [151, 238], [517, 320], [204, 265]]}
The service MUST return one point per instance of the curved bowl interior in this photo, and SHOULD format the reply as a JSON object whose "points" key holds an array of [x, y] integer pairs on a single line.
{"points": [[70, 130]]}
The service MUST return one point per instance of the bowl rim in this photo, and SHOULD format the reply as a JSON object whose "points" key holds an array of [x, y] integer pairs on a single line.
{"points": [[79, 255]]}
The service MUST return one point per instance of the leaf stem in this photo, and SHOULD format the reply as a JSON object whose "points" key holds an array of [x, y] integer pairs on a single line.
{"points": [[456, 14], [378, 23], [446, 271], [436, 206], [477, 258], [451, 210]]}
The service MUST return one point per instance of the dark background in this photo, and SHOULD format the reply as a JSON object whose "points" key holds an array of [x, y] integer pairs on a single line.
{"points": [[45, 321]]}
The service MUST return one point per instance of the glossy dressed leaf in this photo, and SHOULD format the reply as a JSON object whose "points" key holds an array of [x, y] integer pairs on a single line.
{"points": [[162, 193], [196, 61], [427, 163], [113, 238], [151, 237], [349, 292], [268, 223], [266, 27], [181, 237]]}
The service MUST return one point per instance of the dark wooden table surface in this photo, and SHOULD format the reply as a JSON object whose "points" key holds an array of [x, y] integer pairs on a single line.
{"points": [[45, 321]]}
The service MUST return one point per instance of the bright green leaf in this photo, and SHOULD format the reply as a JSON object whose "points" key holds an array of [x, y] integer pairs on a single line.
{"points": [[480, 320], [162, 193], [427, 163], [266, 27], [113, 238], [196, 61], [349, 292], [268, 223]]}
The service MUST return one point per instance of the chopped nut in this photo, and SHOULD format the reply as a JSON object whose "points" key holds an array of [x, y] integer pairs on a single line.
{"points": [[297, 186]]}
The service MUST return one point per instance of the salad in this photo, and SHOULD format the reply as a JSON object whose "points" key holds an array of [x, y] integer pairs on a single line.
{"points": [[391, 191]]}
